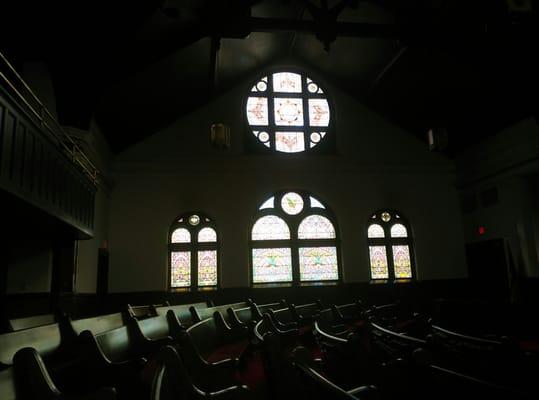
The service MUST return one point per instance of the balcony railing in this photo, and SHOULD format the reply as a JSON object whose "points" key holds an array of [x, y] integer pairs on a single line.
{"points": [[26, 97]]}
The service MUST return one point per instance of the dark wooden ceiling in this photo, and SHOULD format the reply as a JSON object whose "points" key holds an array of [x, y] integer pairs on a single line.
{"points": [[468, 66]]}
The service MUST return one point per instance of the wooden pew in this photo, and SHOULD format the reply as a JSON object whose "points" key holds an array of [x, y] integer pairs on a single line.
{"points": [[31, 322], [182, 312], [209, 354], [173, 381], [347, 360], [33, 380], [45, 339], [151, 333], [38, 354], [314, 385], [496, 360], [99, 324], [257, 311], [200, 314], [114, 358]]}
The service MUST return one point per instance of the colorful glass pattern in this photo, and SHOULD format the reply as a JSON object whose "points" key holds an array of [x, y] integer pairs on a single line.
{"points": [[207, 267], [288, 111], [402, 262], [257, 110], [318, 112], [294, 101], [194, 220], [399, 230], [181, 235], [386, 216], [315, 203], [318, 264], [269, 203], [375, 231], [270, 227], [292, 203], [289, 142], [316, 227], [288, 82], [272, 265], [180, 271], [378, 257], [207, 235]]}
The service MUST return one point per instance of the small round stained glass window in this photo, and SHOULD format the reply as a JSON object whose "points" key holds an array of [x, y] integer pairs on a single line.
{"points": [[194, 220], [288, 112], [292, 203], [386, 216]]}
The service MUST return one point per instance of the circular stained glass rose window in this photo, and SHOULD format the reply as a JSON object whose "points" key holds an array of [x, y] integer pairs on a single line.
{"points": [[288, 112]]}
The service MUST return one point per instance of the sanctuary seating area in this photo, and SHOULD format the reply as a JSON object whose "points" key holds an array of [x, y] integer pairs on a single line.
{"points": [[265, 351]]}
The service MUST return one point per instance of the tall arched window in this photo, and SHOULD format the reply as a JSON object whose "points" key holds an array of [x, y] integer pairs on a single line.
{"points": [[193, 252], [294, 240], [390, 246]]}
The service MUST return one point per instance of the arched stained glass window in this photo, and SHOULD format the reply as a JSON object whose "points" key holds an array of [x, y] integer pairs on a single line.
{"points": [[390, 247], [181, 235], [193, 252], [316, 227], [288, 112], [294, 240], [270, 227], [376, 231]]}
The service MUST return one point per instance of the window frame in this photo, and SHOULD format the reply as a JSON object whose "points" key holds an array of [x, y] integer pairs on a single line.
{"points": [[294, 243], [388, 242], [182, 221], [327, 144]]}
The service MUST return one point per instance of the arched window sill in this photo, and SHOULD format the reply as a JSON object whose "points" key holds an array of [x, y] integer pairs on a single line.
{"points": [[329, 283], [192, 289], [271, 285], [385, 281]]}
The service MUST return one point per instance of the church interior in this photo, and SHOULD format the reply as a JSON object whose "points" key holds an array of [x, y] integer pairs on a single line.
{"points": [[269, 199]]}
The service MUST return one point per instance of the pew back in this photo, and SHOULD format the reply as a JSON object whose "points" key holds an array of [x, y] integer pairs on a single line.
{"points": [[99, 324], [200, 314], [116, 344], [182, 311], [155, 327], [31, 322], [45, 339]]}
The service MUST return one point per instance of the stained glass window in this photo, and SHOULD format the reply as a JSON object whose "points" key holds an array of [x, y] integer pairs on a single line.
{"points": [[287, 82], [207, 268], [376, 231], [180, 268], [181, 235], [318, 264], [207, 235], [269, 203], [399, 230], [319, 112], [309, 256], [292, 203], [289, 142], [315, 203], [389, 246], [257, 111], [378, 257], [402, 262], [288, 112], [270, 227], [193, 252], [272, 265], [316, 227]]}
